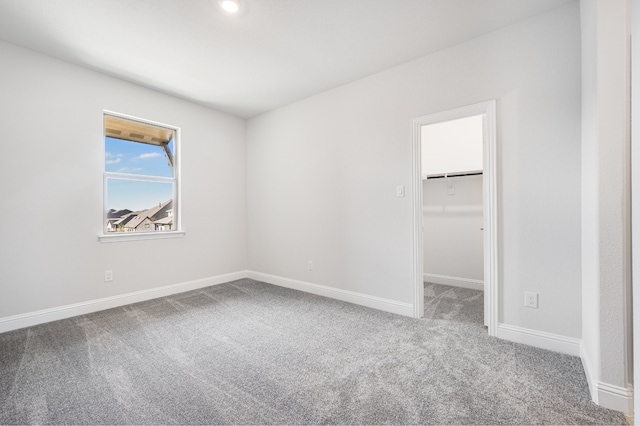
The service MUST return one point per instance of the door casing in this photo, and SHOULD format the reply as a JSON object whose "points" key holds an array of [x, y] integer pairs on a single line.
{"points": [[490, 207]]}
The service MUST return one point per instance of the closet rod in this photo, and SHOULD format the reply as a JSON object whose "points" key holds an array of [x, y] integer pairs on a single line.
{"points": [[445, 175]]}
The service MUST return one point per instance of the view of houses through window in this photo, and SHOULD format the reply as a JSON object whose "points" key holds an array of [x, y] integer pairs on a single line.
{"points": [[158, 218], [139, 176]]}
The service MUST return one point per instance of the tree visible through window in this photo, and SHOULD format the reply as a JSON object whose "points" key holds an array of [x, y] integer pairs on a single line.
{"points": [[140, 179]]}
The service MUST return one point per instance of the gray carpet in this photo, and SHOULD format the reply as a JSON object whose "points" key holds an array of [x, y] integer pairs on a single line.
{"points": [[250, 353], [455, 304]]}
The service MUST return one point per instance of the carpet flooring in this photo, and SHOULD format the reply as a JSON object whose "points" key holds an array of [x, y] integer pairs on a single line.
{"points": [[455, 304], [247, 352]]}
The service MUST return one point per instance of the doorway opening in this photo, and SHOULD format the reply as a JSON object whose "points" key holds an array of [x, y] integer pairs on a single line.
{"points": [[454, 195]]}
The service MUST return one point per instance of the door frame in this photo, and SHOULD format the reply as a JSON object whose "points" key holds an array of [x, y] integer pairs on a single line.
{"points": [[490, 207]]}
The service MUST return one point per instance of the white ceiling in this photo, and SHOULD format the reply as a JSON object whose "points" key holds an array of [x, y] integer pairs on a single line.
{"points": [[275, 53]]}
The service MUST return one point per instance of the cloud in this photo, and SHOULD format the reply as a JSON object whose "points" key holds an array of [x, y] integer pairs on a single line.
{"points": [[117, 160], [148, 155], [129, 169]]}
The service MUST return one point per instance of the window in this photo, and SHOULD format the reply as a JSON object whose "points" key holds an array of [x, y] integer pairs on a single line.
{"points": [[140, 176]]}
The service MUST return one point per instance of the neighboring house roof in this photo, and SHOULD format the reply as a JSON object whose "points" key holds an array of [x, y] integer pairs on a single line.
{"points": [[123, 220], [137, 220], [154, 210], [168, 220], [134, 219], [117, 213]]}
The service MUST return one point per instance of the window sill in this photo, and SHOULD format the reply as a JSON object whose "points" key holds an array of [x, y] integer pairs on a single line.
{"points": [[134, 236]]}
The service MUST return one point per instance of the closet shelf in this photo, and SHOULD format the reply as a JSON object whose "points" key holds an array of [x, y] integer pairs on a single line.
{"points": [[454, 174]]}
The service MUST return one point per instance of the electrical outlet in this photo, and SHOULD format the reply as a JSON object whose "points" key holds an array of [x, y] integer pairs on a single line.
{"points": [[310, 265], [530, 299], [108, 275]]}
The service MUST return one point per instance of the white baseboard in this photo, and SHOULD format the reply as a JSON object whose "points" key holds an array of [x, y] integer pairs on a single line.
{"points": [[540, 339], [54, 314], [614, 397], [454, 281], [605, 394], [47, 315], [380, 303]]}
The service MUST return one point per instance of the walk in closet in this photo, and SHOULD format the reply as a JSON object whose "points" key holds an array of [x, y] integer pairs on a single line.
{"points": [[453, 202]]}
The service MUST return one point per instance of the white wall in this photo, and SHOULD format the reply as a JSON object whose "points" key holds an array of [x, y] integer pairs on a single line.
{"points": [[452, 146], [635, 196], [322, 173], [606, 201], [453, 240], [51, 188]]}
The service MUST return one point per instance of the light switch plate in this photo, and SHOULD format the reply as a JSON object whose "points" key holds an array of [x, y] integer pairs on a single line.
{"points": [[451, 187]]}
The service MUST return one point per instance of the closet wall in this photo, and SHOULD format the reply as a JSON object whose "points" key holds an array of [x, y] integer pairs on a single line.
{"points": [[452, 205], [453, 252]]}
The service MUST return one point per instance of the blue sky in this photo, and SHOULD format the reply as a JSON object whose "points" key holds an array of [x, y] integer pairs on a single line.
{"points": [[137, 159], [136, 195]]}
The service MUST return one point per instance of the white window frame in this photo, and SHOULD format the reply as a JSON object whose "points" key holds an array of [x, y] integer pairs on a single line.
{"points": [[105, 237]]}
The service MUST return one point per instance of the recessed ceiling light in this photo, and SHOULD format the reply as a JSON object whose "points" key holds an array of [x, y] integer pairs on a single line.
{"points": [[230, 6]]}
